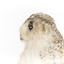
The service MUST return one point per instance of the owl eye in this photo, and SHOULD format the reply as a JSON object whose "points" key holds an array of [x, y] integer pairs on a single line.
{"points": [[30, 25]]}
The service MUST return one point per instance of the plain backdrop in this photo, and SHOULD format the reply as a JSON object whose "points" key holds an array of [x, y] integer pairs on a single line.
{"points": [[13, 13]]}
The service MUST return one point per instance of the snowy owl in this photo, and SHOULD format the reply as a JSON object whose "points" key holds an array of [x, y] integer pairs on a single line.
{"points": [[43, 42]]}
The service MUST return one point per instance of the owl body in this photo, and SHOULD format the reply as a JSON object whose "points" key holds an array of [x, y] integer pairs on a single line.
{"points": [[43, 42]]}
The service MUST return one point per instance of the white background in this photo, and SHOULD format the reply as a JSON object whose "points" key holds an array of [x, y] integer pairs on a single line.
{"points": [[13, 13]]}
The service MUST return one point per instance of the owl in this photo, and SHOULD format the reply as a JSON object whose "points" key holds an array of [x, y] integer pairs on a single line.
{"points": [[43, 42]]}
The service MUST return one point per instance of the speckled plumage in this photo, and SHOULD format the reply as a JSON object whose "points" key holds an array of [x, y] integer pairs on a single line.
{"points": [[43, 44]]}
